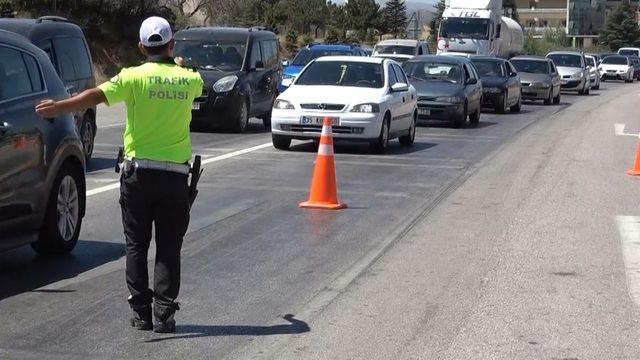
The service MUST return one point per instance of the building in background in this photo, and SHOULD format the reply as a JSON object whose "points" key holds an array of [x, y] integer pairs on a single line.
{"points": [[537, 16]]}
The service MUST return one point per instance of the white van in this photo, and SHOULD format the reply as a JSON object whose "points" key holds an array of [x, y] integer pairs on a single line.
{"points": [[629, 51], [400, 50]]}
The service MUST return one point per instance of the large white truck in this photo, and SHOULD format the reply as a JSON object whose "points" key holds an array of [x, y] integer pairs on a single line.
{"points": [[478, 27]]}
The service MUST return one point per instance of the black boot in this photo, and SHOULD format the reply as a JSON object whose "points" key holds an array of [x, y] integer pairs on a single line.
{"points": [[141, 318], [165, 323]]}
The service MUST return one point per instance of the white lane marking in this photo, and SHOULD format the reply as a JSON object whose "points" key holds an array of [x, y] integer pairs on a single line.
{"points": [[111, 125], [210, 160], [629, 228], [619, 130]]}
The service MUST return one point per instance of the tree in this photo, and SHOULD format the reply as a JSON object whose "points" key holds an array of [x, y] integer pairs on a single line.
{"points": [[395, 17], [362, 15], [291, 41], [621, 28], [332, 36], [435, 22]]}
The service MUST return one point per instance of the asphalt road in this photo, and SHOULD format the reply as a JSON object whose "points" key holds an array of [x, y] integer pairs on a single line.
{"points": [[419, 245]]}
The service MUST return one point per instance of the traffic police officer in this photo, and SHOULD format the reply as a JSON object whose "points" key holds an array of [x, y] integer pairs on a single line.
{"points": [[154, 177]]}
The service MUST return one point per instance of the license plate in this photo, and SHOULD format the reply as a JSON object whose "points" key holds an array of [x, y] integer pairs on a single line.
{"points": [[425, 112], [318, 120], [195, 106]]}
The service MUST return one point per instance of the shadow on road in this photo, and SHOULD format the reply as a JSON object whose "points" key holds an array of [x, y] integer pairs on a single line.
{"points": [[362, 148], [255, 126], [22, 270], [446, 124], [97, 164], [197, 331]]}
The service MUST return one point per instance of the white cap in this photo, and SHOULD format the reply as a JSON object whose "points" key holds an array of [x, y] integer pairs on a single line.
{"points": [[155, 31]]}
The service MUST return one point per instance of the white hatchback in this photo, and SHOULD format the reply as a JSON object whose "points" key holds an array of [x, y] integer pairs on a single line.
{"points": [[367, 99]]}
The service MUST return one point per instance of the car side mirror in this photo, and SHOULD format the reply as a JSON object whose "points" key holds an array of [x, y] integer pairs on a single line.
{"points": [[471, 81], [285, 62], [259, 65], [513, 74], [399, 87]]}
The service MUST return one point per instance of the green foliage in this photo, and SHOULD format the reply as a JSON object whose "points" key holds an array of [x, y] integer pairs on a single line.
{"points": [[621, 28], [291, 41], [333, 36], [395, 17], [307, 39], [6, 9], [551, 40], [435, 22], [362, 15]]}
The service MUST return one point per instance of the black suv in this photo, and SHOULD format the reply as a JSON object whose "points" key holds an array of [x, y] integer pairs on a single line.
{"points": [[42, 183], [67, 48], [241, 72]]}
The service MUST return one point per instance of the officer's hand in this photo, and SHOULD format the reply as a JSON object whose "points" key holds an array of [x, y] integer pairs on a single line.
{"points": [[179, 61], [47, 109]]}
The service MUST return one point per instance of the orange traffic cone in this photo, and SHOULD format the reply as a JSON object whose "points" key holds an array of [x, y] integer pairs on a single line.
{"points": [[324, 191], [636, 166]]}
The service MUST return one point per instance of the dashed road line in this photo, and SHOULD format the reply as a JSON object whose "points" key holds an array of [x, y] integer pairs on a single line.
{"points": [[619, 130]]}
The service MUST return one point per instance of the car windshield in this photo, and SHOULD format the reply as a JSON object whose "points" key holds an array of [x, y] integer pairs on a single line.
{"points": [[615, 60], [212, 55], [394, 50], [566, 60], [434, 71], [305, 55], [343, 73], [590, 61], [531, 66], [465, 28], [629, 52], [488, 68], [399, 59]]}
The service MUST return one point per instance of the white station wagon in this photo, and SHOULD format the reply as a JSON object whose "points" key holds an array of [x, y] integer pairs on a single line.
{"points": [[367, 99]]}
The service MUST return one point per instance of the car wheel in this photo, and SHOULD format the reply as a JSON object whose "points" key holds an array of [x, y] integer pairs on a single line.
{"points": [[603, 80], [556, 100], [518, 106], [88, 135], [460, 120], [549, 100], [504, 106], [410, 137], [242, 121], [61, 229], [280, 142], [474, 118], [380, 146], [266, 120]]}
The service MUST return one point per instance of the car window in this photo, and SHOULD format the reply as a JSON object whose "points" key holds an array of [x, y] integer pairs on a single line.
{"points": [[510, 68], [420, 50], [567, 60], [616, 60], [467, 74], [223, 55], [14, 71], [343, 73], [489, 68], [269, 53], [433, 71], [552, 67], [73, 58], [393, 79], [400, 75], [306, 55], [256, 55], [37, 84]]}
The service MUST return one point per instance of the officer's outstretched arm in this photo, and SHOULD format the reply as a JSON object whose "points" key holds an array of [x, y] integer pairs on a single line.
{"points": [[86, 99]]}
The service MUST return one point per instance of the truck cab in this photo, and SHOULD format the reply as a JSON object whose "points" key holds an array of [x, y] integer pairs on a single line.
{"points": [[477, 27]]}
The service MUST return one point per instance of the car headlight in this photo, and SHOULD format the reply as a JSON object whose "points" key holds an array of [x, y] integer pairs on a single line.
{"points": [[541, 85], [577, 76], [225, 84], [283, 105], [492, 90], [366, 108], [449, 99]]}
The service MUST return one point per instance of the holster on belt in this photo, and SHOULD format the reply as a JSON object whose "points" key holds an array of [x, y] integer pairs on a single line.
{"points": [[196, 171], [119, 159]]}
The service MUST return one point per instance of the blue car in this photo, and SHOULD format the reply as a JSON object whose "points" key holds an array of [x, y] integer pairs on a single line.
{"points": [[313, 51]]}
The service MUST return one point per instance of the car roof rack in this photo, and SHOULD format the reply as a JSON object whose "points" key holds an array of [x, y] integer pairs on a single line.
{"points": [[51, 18]]}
